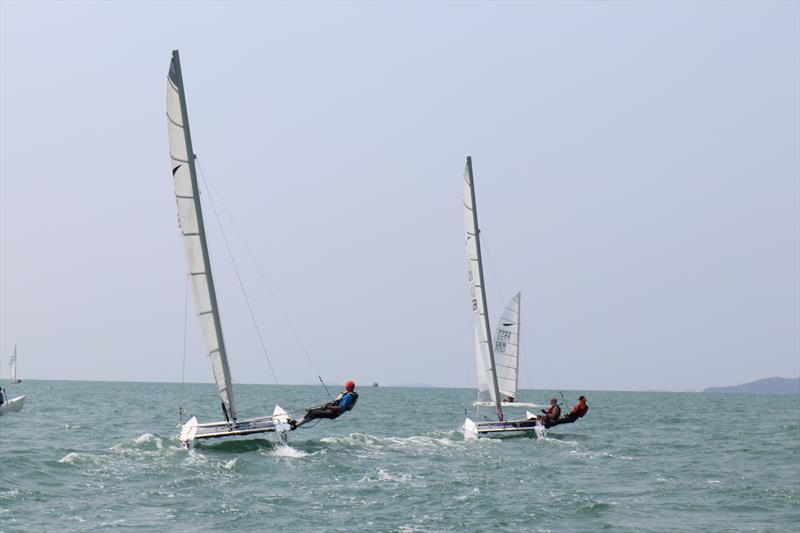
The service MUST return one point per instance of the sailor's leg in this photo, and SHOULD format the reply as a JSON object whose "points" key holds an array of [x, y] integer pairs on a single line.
{"points": [[312, 414]]}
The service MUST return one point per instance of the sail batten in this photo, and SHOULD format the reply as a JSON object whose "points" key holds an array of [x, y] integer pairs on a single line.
{"points": [[484, 353], [190, 222]]}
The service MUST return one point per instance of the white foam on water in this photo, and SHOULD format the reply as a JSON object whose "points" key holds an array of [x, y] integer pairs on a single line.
{"points": [[9, 494], [194, 458], [147, 438], [230, 464], [470, 433], [600, 455], [352, 438], [284, 450], [74, 457], [383, 475]]}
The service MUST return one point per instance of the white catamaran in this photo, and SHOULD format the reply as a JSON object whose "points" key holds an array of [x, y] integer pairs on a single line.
{"points": [[16, 403], [190, 220], [498, 363]]}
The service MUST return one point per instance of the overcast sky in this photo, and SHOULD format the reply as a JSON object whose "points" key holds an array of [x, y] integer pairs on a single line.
{"points": [[636, 164]]}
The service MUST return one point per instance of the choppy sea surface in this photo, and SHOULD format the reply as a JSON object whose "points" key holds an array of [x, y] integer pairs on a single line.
{"points": [[92, 456]]}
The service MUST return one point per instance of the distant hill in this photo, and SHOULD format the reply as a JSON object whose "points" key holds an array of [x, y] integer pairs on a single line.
{"points": [[762, 386]]}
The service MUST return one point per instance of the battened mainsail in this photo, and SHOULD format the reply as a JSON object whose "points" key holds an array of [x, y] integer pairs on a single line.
{"points": [[190, 221], [487, 376], [506, 349]]}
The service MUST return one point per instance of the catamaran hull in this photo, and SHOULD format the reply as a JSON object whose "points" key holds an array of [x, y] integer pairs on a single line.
{"points": [[278, 423], [506, 429], [14, 404]]}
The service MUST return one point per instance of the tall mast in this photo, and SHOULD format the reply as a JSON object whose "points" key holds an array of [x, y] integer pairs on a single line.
{"points": [[481, 284], [215, 342]]}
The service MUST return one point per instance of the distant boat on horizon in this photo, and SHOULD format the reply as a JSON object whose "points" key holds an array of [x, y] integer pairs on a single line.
{"points": [[12, 364], [11, 404]]}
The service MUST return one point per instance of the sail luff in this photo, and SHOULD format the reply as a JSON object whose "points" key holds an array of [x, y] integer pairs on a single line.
{"points": [[479, 307], [190, 220]]}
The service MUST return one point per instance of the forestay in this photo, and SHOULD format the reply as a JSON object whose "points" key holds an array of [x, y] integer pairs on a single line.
{"points": [[190, 221], [506, 349]]}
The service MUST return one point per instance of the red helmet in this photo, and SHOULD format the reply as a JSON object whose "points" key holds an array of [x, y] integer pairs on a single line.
{"points": [[350, 385]]}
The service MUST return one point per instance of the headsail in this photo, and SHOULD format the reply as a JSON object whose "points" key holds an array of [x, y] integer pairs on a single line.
{"points": [[483, 336], [190, 221], [12, 365], [506, 349]]}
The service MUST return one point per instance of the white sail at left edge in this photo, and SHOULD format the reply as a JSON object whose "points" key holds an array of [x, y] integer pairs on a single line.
{"points": [[190, 221]]}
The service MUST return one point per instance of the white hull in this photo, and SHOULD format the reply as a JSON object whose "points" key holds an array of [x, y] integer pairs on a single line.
{"points": [[14, 404], [278, 423], [511, 428]]}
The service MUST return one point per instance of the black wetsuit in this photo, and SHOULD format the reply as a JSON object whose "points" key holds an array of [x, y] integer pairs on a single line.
{"points": [[345, 402], [573, 416]]}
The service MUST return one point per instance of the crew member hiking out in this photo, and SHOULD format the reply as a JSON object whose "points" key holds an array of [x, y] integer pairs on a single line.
{"points": [[552, 414], [343, 403], [579, 411]]}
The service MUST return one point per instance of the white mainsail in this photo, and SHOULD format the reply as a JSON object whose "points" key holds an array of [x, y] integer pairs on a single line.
{"points": [[487, 376], [12, 364], [190, 222], [506, 349]]}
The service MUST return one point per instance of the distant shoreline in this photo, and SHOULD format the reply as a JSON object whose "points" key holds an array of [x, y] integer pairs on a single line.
{"points": [[713, 390], [761, 386]]}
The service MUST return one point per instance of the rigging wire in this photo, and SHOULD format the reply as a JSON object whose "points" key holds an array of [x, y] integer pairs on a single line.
{"points": [[181, 407], [498, 277], [522, 330], [264, 278], [206, 181]]}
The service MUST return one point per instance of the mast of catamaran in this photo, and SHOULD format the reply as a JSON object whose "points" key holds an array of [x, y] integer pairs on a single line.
{"points": [[190, 218], [477, 285]]}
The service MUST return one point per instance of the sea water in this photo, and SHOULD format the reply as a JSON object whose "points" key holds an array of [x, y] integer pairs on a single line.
{"points": [[92, 456]]}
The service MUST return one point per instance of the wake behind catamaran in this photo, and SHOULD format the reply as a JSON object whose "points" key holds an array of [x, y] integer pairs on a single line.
{"points": [[498, 363], [190, 221]]}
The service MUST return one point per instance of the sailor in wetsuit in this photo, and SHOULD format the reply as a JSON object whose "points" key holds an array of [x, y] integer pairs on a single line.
{"points": [[580, 409], [552, 414], [343, 403]]}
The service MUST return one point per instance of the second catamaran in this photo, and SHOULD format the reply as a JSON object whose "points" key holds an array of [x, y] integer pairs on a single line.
{"points": [[497, 364]]}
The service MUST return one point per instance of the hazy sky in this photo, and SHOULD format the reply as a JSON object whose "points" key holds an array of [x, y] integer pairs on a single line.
{"points": [[636, 163]]}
